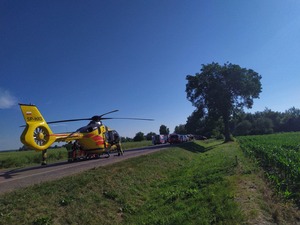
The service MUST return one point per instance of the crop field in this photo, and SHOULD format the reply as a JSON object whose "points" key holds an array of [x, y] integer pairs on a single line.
{"points": [[279, 155]]}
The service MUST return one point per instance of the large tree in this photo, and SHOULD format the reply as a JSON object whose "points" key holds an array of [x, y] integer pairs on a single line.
{"points": [[221, 90]]}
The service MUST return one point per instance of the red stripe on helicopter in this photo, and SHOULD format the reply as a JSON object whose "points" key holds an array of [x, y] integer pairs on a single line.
{"points": [[98, 139], [89, 135], [64, 135], [93, 136], [99, 143]]}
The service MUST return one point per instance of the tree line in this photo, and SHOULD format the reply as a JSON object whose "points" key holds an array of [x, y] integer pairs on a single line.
{"points": [[220, 93], [243, 123], [240, 124], [140, 136]]}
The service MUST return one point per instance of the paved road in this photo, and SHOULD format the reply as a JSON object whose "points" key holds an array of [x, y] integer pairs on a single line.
{"points": [[18, 178]]}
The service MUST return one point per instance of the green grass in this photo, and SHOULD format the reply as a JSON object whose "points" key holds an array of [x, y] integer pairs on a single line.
{"points": [[196, 192], [26, 158], [138, 144], [188, 184], [15, 159]]}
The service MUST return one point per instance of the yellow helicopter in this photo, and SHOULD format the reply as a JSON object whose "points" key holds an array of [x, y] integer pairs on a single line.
{"points": [[88, 141]]}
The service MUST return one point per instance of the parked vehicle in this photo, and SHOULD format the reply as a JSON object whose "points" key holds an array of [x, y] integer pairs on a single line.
{"points": [[159, 139], [183, 138], [175, 138]]}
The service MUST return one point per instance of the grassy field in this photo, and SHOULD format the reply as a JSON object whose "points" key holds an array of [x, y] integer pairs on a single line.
{"points": [[194, 183], [26, 158], [14, 159]]}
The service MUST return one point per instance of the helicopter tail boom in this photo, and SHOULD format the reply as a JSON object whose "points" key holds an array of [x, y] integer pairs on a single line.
{"points": [[37, 134]]}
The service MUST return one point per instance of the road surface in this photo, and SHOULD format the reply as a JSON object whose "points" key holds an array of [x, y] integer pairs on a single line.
{"points": [[13, 179]]}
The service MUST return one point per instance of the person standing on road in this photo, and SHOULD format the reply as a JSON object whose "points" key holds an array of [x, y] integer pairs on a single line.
{"points": [[44, 157]]}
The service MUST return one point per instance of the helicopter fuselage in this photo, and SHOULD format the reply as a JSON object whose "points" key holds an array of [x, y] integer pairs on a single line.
{"points": [[94, 138]]}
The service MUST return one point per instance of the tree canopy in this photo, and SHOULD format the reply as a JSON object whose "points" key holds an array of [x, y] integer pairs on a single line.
{"points": [[219, 91], [139, 136], [150, 135], [164, 130], [180, 129]]}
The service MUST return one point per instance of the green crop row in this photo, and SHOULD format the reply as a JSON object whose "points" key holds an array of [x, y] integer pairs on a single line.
{"points": [[279, 155]]}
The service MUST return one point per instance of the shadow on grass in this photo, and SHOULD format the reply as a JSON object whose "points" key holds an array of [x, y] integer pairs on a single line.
{"points": [[195, 148]]}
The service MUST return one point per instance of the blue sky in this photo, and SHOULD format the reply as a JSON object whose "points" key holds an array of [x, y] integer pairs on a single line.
{"points": [[82, 58]]}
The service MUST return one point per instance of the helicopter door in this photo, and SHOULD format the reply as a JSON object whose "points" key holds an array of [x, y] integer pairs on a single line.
{"points": [[114, 137], [109, 136]]}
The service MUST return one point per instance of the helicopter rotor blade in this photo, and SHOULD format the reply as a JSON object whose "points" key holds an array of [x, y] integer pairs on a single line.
{"points": [[94, 118], [125, 118], [97, 118], [63, 121], [116, 110], [72, 120]]}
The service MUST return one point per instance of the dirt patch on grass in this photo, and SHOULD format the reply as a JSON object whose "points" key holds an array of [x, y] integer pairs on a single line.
{"points": [[259, 203]]}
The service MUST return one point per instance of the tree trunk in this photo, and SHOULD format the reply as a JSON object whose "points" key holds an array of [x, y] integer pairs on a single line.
{"points": [[226, 128]]}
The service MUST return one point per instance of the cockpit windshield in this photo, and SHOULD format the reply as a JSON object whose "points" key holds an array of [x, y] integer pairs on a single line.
{"points": [[90, 127]]}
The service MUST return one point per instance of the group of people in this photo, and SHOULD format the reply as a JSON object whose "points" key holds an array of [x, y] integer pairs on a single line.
{"points": [[75, 151]]}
